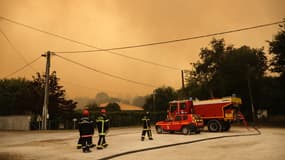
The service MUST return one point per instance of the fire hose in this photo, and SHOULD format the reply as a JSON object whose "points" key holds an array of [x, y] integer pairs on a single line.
{"points": [[181, 143]]}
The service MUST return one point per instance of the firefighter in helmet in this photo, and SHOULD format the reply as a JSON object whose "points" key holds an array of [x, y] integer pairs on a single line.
{"points": [[86, 131], [102, 123], [146, 126]]}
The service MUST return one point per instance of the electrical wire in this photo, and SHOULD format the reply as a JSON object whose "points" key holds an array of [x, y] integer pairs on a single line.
{"points": [[15, 49], [87, 45], [11, 44], [144, 61], [137, 46], [177, 40], [105, 73], [88, 87], [26, 65], [42, 31]]}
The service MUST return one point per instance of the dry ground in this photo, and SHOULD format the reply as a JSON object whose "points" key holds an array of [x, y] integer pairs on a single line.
{"points": [[61, 145]]}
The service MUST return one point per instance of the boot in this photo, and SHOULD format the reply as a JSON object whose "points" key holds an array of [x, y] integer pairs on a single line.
{"points": [[79, 146], [100, 147], [105, 145], [91, 145], [86, 150]]}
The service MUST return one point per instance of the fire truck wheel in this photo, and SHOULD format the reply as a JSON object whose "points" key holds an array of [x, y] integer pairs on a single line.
{"points": [[185, 130], [159, 130], [214, 126]]}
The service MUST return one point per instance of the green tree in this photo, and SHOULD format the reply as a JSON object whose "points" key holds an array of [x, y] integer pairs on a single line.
{"points": [[272, 97], [277, 49], [59, 106], [111, 107], [205, 76], [18, 96], [276, 90], [224, 70], [158, 101]]}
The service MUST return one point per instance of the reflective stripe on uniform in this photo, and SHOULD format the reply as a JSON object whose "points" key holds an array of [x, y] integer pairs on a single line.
{"points": [[102, 134], [145, 119], [84, 136]]}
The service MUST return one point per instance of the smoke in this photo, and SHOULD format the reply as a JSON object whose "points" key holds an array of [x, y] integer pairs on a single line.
{"points": [[128, 22]]}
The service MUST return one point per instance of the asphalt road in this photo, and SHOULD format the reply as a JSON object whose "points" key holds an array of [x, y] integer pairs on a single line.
{"points": [[125, 144]]}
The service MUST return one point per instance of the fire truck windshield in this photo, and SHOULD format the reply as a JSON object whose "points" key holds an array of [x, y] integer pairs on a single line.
{"points": [[173, 107]]}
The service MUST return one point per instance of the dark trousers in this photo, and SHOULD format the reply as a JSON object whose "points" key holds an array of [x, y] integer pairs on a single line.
{"points": [[82, 141], [101, 140], [148, 133], [85, 142]]}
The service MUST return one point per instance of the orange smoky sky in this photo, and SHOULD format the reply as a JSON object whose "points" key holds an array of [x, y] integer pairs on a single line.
{"points": [[116, 23]]}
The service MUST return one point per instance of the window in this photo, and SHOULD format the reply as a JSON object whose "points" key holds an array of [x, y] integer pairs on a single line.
{"points": [[173, 107], [182, 106], [178, 118]]}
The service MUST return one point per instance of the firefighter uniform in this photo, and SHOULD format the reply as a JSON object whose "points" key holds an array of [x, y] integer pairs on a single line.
{"points": [[102, 123], [86, 131], [146, 127]]}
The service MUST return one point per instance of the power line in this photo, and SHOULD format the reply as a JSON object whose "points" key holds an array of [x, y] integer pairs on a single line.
{"points": [[176, 40], [42, 31], [89, 88], [145, 61], [13, 47], [87, 45], [105, 73], [11, 44], [18, 70], [137, 46]]}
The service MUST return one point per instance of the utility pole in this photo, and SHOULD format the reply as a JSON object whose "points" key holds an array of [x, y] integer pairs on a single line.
{"points": [[153, 101], [251, 99], [182, 77], [250, 94], [45, 106]]}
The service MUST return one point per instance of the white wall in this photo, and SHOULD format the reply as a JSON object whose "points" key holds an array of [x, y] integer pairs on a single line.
{"points": [[15, 122]]}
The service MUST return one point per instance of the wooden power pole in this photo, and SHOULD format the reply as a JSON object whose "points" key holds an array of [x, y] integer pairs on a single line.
{"points": [[45, 106]]}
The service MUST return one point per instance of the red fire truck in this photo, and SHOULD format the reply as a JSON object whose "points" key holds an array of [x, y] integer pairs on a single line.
{"points": [[217, 114]]}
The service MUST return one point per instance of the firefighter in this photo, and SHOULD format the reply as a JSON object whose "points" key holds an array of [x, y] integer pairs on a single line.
{"points": [[86, 131], [146, 127], [102, 122]]}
